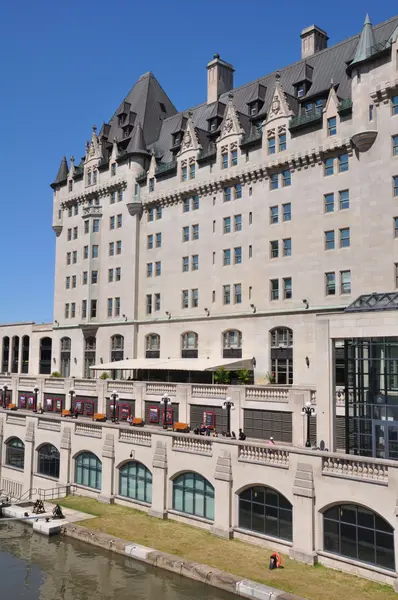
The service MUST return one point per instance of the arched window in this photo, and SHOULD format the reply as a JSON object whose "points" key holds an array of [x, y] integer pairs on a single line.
{"points": [[48, 461], [359, 533], [152, 344], [6, 353], [25, 354], [15, 354], [45, 356], [232, 344], [66, 346], [135, 481], [264, 510], [282, 355], [189, 345], [90, 346], [194, 495], [88, 470], [15, 453], [117, 347]]}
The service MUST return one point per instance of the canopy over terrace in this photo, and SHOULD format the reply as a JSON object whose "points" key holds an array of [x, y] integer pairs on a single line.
{"points": [[175, 364]]}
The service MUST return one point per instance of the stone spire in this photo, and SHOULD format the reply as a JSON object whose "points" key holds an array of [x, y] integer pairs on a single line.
{"points": [[366, 45], [63, 170], [137, 144]]}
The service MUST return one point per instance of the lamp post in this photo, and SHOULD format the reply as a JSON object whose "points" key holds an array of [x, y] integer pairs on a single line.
{"points": [[71, 394], [35, 392], [4, 398], [165, 401], [228, 405], [308, 411], [115, 398]]}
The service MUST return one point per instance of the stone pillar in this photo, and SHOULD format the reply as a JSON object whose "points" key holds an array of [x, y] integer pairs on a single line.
{"points": [[20, 355], [325, 401], [222, 496], [139, 396], [303, 512], [29, 456], [102, 386], [159, 482], [108, 459], [13, 390], [64, 458]]}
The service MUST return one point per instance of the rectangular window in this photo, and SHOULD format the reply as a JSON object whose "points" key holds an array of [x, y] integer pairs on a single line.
{"points": [[74, 257], [227, 294], [345, 282], [271, 145], [113, 169], [67, 311], [286, 178], [87, 226], [184, 173], [110, 307], [75, 233], [94, 251], [149, 242], [273, 181], [370, 112], [195, 232], [93, 311], [330, 280], [343, 163], [238, 222], [73, 310], [149, 269], [287, 211], [70, 211], [76, 210], [329, 166], [238, 255], [157, 301], [158, 268], [184, 299], [394, 105], [329, 203], [237, 293], [274, 215], [332, 126], [149, 304], [69, 235], [84, 309], [118, 273], [274, 289], [73, 281], [150, 214], [113, 198], [238, 191], [195, 298], [345, 237], [396, 275], [186, 205], [110, 275], [185, 264], [195, 203], [152, 184], [112, 222], [287, 288], [119, 220], [287, 247], [395, 145], [89, 178], [226, 257], [234, 158], [119, 247], [94, 277], [396, 227], [227, 194], [282, 142], [68, 256], [158, 240], [344, 196], [329, 240], [67, 283], [224, 160], [395, 185], [70, 185], [117, 307], [195, 262], [185, 234], [120, 195], [85, 252], [192, 171], [111, 248], [227, 224], [274, 249]]}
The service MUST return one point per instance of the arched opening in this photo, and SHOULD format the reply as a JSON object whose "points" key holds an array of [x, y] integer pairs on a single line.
{"points": [[6, 354], [266, 511], [282, 355], [66, 347], [152, 345], [48, 461], [359, 533], [232, 344], [25, 354], [45, 356], [193, 495], [88, 470], [15, 453], [135, 481], [90, 346], [189, 344], [117, 347], [15, 354]]}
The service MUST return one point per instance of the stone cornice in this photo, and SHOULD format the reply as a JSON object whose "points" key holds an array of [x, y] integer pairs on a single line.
{"points": [[384, 91], [95, 191]]}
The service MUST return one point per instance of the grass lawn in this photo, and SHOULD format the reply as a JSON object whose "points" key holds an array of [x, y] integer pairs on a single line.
{"points": [[233, 556]]}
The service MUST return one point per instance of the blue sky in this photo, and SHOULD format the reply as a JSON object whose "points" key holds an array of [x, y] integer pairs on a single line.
{"points": [[68, 65]]}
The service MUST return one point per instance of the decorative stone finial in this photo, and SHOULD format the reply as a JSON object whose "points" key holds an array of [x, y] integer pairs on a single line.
{"points": [[230, 96], [190, 113], [216, 55], [277, 76], [94, 128], [72, 159]]}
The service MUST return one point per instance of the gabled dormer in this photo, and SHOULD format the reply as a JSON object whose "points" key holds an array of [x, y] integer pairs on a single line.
{"points": [[215, 117], [255, 101], [123, 112], [331, 119], [190, 147], [92, 159], [276, 124], [231, 135]]}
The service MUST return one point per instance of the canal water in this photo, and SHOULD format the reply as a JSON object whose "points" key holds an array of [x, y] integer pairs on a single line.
{"points": [[34, 567]]}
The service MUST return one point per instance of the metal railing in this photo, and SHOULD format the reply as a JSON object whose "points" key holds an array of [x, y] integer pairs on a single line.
{"points": [[305, 119], [58, 492]]}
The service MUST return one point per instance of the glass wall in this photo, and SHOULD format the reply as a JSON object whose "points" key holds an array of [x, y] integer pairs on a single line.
{"points": [[15, 453], [264, 510], [135, 481], [194, 495], [88, 470], [48, 461]]}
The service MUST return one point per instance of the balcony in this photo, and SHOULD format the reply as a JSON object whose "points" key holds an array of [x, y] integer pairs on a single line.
{"points": [[306, 120], [91, 211], [345, 106], [252, 138], [166, 168]]}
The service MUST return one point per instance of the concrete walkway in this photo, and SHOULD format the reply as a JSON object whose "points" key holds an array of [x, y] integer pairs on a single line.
{"points": [[50, 527]]}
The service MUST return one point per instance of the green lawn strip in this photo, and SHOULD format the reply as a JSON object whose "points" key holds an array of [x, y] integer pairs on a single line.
{"points": [[236, 557]]}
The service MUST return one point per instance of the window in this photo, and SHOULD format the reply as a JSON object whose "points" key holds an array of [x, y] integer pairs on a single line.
{"points": [[282, 142], [343, 163], [120, 195], [15, 453], [111, 248], [238, 222], [117, 347], [274, 215], [395, 186], [287, 288], [150, 214], [73, 281], [113, 197], [227, 294], [273, 181], [149, 304], [189, 345], [274, 249], [152, 184], [110, 307], [274, 289], [135, 481], [149, 242], [238, 255], [238, 191], [195, 232], [193, 495], [84, 309], [224, 160], [234, 158], [396, 227], [85, 277], [69, 235], [118, 273], [48, 461], [360, 534], [75, 232], [232, 344], [119, 219], [158, 268], [227, 194], [344, 197], [195, 262], [330, 279], [89, 180], [184, 299], [287, 211], [286, 178], [93, 312], [94, 277], [329, 166], [332, 126], [227, 224], [149, 269], [345, 282], [271, 145], [282, 356], [265, 511], [117, 307], [70, 211], [112, 222], [68, 257], [74, 257], [158, 240], [237, 293], [185, 264], [119, 247], [195, 298], [186, 205], [88, 470], [70, 185], [192, 169], [345, 237], [226, 257], [395, 145], [157, 301], [287, 247], [113, 169], [185, 234], [94, 251], [66, 313], [370, 112], [184, 173], [67, 283], [394, 105], [110, 275], [329, 203], [159, 213], [86, 226], [329, 240]]}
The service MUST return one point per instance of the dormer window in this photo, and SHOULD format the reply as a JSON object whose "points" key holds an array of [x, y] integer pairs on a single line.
{"points": [[300, 90], [253, 110], [176, 139], [113, 169], [212, 125], [94, 176], [121, 119], [70, 185]]}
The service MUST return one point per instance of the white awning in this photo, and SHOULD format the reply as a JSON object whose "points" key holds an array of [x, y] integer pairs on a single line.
{"points": [[175, 364]]}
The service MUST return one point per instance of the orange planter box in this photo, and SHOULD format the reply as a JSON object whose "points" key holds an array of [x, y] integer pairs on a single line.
{"points": [[138, 422], [99, 417], [66, 413], [181, 427], [12, 407]]}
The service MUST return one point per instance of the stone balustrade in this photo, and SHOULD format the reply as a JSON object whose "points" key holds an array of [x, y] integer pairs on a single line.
{"points": [[195, 445], [27, 382], [135, 436], [264, 455], [88, 430], [49, 424], [85, 384], [120, 386], [158, 389], [55, 383], [267, 394], [209, 391], [355, 468]]}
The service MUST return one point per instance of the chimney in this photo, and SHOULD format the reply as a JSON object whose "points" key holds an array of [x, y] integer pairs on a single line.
{"points": [[220, 78], [313, 39]]}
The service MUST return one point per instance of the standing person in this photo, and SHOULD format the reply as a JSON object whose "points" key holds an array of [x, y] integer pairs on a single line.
{"points": [[271, 442], [242, 436], [76, 412]]}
